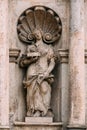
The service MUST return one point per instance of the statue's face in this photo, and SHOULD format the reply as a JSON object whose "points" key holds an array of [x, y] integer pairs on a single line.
{"points": [[38, 34]]}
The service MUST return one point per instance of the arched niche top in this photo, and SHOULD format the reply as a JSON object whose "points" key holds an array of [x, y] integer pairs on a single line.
{"points": [[39, 18]]}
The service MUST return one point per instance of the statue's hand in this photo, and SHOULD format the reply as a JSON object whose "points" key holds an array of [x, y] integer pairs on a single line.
{"points": [[40, 78], [35, 58], [31, 59], [46, 74], [43, 76]]}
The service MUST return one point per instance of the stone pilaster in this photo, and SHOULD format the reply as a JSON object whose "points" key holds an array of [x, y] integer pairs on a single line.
{"points": [[4, 65], [76, 65]]}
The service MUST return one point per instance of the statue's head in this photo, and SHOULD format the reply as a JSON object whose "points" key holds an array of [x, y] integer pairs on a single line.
{"points": [[38, 34]]}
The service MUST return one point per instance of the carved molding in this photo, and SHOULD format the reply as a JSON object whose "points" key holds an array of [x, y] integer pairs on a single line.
{"points": [[38, 124], [76, 126], [64, 55], [13, 55], [39, 18]]}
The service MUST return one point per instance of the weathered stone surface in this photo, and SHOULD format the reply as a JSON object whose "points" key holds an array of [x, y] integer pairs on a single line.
{"points": [[4, 64], [76, 63], [37, 126]]}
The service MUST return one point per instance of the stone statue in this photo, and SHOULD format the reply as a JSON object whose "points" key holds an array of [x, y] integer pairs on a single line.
{"points": [[41, 61], [39, 58]]}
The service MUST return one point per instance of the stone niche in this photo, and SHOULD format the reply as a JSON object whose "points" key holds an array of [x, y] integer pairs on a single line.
{"points": [[18, 108]]}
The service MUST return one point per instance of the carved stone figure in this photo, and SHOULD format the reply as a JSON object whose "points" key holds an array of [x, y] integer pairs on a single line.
{"points": [[39, 27]]}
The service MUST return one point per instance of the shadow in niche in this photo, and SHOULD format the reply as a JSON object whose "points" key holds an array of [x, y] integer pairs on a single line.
{"points": [[56, 94], [24, 91]]}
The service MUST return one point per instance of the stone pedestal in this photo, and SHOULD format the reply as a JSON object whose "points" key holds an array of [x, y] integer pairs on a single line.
{"points": [[38, 119], [37, 126]]}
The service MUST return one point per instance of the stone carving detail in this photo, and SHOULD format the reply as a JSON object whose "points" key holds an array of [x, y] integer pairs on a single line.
{"points": [[13, 55], [41, 18], [39, 27]]}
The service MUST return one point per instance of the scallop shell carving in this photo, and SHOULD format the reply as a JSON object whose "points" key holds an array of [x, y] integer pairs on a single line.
{"points": [[41, 18]]}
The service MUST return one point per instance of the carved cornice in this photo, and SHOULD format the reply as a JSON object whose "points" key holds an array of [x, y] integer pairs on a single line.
{"points": [[13, 55], [64, 55]]}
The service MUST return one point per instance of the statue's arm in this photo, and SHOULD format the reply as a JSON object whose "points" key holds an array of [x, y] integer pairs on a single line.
{"points": [[51, 66], [51, 60], [25, 61]]}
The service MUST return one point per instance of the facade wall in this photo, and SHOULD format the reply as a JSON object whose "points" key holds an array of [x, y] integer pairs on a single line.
{"points": [[60, 101]]}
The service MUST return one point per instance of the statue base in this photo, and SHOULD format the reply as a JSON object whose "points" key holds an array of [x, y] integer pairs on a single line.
{"points": [[38, 126], [38, 119]]}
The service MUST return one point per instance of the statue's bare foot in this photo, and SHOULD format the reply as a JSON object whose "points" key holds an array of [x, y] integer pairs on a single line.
{"points": [[29, 114], [36, 114], [50, 113]]}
